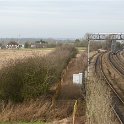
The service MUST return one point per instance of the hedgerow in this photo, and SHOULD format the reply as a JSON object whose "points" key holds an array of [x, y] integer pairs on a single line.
{"points": [[32, 77]]}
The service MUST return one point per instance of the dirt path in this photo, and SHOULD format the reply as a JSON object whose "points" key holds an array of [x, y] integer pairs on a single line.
{"points": [[71, 92]]}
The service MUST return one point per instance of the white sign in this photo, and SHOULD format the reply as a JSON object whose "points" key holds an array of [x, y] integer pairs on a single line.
{"points": [[77, 78]]}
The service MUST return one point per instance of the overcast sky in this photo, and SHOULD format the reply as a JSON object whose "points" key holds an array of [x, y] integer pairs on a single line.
{"points": [[60, 18]]}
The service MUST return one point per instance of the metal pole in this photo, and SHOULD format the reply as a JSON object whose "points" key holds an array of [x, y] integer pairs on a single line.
{"points": [[88, 57]]}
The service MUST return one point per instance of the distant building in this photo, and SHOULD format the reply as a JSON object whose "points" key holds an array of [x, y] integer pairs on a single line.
{"points": [[39, 44], [21, 46], [33, 46], [14, 45]]}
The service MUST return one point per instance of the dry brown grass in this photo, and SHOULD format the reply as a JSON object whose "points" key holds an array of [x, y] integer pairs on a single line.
{"points": [[99, 101], [28, 111], [32, 77], [40, 109], [8, 55]]}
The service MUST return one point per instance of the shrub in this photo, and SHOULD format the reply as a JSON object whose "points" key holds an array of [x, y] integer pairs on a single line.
{"points": [[31, 77]]}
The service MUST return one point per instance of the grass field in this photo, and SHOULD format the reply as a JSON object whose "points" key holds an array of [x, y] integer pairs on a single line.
{"points": [[7, 55], [44, 49], [81, 49]]}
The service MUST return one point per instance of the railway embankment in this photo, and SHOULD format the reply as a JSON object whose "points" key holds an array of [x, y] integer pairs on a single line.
{"points": [[98, 96]]}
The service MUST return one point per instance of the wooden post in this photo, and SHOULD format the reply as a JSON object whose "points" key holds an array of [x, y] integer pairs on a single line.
{"points": [[74, 111]]}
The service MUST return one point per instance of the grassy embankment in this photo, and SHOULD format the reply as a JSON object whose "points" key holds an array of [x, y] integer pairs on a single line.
{"points": [[99, 100]]}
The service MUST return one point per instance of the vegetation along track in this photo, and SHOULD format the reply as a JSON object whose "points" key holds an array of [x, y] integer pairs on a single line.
{"points": [[118, 102], [116, 63]]}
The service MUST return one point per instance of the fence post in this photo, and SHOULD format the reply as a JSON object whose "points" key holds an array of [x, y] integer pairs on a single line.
{"points": [[74, 111]]}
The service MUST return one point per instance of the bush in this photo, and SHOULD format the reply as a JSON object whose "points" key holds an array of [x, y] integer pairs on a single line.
{"points": [[33, 76]]}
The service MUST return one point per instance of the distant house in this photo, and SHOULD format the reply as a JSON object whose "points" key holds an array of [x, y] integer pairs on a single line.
{"points": [[14, 45]]}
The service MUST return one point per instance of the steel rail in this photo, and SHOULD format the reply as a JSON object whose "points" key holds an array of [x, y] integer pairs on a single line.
{"points": [[110, 85], [115, 63], [120, 59]]}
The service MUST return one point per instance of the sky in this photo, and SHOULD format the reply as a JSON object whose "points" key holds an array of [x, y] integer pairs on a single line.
{"points": [[60, 18]]}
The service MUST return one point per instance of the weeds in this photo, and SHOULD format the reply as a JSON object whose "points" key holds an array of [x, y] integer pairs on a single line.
{"points": [[99, 100]]}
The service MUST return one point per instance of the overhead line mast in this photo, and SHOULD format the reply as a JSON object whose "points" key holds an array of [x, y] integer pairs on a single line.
{"points": [[102, 36]]}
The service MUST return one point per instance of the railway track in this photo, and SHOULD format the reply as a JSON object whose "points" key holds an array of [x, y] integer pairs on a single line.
{"points": [[122, 54], [118, 102], [120, 57], [116, 63]]}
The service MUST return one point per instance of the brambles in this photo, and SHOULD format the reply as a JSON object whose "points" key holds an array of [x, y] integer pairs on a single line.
{"points": [[31, 77]]}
